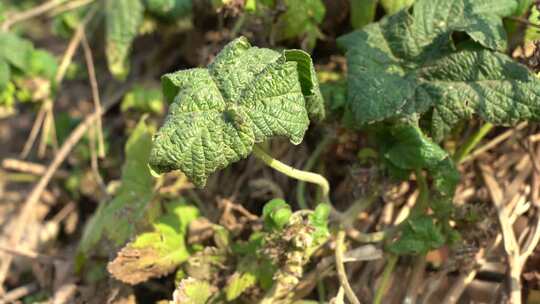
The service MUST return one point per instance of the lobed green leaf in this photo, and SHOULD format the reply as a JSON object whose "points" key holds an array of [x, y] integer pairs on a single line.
{"points": [[246, 96], [407, 65]]}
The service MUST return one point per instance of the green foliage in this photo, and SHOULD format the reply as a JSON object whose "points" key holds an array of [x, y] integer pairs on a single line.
{"points": [[523, 6], [419, 235], [246, 96], [65, 24], [362, 12], [15, 51], [406, 148], [408, 64], [286, 244], [119, 219], [532, 33], [169, 9], [301, 18], [143, 99], [393, 6], [122, 21], [158, 252], [26, 73], [42, 63], [319, 220]]}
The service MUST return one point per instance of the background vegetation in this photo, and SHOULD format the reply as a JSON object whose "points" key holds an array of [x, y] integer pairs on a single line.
{"points": [[341, 151]]}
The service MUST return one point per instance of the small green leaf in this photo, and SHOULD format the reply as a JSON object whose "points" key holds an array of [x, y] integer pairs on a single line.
{"points": [[246, 96], [406, 147], [15, 50], [122, 21], [192, 291], [301, 18], [533, 33], [42, 63], [238, 283], [145, 99], [319, 220], [159, 252], [362, 12], [393, 6], [419, 235], [276, 214], [117, 220]]}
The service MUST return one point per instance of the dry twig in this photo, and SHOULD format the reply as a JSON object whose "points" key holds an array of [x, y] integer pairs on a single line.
{"points": [[95, 92], [494, 142], [45, 116], [17, 293], [510, 244], [340, 267], [33, 12], [29, 167]]}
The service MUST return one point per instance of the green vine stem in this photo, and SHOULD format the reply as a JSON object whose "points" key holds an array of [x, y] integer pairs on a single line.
{"points": [[300, 175], [472, 142], [387, 273], [312, 160]]}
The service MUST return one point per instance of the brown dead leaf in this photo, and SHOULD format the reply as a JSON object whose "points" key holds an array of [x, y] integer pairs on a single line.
{"points": [[136, 265]]}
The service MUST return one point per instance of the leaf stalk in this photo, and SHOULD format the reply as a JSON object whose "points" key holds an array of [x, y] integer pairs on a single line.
{"points": [[300, 175]]}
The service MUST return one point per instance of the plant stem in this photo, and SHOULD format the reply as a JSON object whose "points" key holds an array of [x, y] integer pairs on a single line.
{"points": [[238, 25], [423, 196], [305, 176], [301, 188], [340, 267], [388, 269], [471, 142]]}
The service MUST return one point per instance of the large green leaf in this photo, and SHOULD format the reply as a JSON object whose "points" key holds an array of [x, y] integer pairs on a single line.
{"points": [[246, 96], [118, 219], [122, 21], [158, 252], [407, 64]]}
